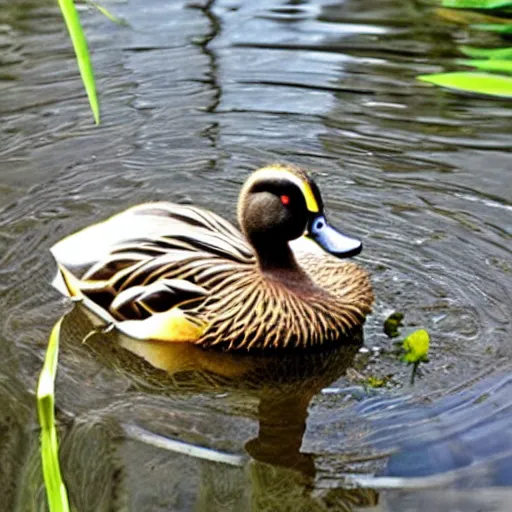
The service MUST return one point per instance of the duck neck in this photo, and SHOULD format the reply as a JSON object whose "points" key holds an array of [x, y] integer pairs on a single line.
{"points": [[276, 258]]}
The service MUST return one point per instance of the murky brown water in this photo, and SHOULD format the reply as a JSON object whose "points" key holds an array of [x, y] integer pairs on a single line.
{"points": [[194, 96]]}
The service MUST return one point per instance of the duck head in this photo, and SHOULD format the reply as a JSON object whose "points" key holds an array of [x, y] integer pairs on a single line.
{"points": [[280, 203]]}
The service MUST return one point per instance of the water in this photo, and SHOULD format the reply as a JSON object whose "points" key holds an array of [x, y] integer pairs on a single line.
{"points": [[194, 96]]}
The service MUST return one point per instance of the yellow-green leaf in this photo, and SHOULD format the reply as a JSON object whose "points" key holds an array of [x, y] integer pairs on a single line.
{"points": [[416, 347], [496, 65], [476, 4], [486, 53], [55, 487], [377, 382], [472, 81], [72, 20]]}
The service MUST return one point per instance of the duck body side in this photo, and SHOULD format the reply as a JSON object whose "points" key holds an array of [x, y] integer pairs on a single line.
{"points": [[178, 273], [129, 269]]}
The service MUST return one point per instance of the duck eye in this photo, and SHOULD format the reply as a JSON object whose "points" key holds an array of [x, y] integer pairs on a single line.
{"points": [[285, 199]]}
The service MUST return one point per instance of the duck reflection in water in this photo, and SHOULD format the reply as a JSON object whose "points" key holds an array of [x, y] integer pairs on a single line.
{"points": [[275, 390]]}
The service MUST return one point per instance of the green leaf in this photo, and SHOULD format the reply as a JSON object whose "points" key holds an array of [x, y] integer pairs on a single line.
{"points": [[485, 53], [416, 347], [500, 28], [72, 20], [497, 65], [474, 82], [55, 488], [476, 4]]}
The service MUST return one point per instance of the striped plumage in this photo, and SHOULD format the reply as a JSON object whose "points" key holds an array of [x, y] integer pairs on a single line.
{"points": [[171, 272]]}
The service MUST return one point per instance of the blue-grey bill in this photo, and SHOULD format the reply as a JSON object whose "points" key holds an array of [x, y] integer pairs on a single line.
{"points": [[332, 240]]}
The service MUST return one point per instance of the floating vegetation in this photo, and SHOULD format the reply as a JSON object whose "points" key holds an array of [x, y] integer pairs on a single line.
{"points": [[55, 488], [378, 382], [496, 64], [486, 53], [416, 347], [476, 4], [470, 81], [500, 65], [392, 323]]}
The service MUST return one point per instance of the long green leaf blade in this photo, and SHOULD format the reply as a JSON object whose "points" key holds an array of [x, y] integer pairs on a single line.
{"points": [[477, 4], [474, 82], [72, 20], [486, 53], [500, 28], [495, 65], [55, 488]]}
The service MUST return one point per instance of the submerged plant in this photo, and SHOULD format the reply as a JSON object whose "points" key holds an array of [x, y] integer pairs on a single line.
{"points": [[494, 64]]}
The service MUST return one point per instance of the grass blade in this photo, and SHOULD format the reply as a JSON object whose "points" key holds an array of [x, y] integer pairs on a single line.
{"points": [[495, 65], [499, 28], [55, 488], [477, 4], [72, 20], [486, 53], [473, 82]]}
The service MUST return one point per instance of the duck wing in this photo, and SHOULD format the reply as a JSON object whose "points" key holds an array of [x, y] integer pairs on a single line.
{"points": [[146, 267]]}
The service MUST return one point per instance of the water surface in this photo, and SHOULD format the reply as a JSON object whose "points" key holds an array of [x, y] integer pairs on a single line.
{"points": [[194, 96]]}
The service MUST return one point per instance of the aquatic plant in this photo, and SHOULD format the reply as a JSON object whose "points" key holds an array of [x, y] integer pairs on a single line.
{"points": [[83, 59], [416, 347], [392, 323], [493, 62], [79, 42], [55, 488]]}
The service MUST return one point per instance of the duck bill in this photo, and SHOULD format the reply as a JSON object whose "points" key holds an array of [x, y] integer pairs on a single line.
{"points": [[332, 240]]}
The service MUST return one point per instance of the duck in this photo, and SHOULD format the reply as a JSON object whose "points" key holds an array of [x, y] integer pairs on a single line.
{"points": [[167, 272]]}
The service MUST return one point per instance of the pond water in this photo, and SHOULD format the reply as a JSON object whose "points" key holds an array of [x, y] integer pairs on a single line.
{"points": [[194, 96]]}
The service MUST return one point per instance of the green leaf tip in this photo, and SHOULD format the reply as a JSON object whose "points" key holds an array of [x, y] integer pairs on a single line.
{"points": [[416, 347], [493, 65], [45, 386], [486, 53], [500, 28], [476, 4], [79, 42], [472, 82]]}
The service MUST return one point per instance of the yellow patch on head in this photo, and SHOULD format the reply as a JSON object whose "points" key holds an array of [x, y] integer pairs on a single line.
{"points": [[277, 172]]}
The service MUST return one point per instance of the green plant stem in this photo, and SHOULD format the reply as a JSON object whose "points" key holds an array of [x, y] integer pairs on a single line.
{"points": [[415, 367]]}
